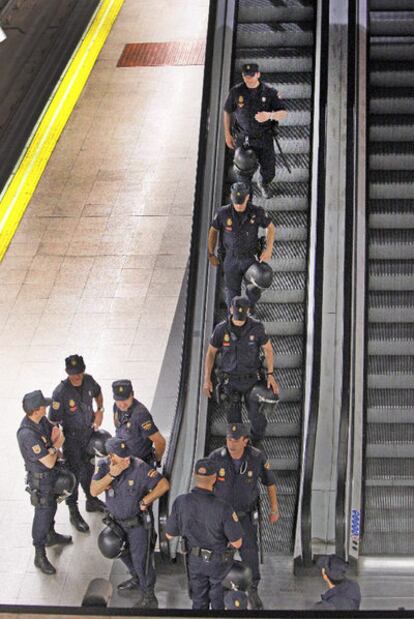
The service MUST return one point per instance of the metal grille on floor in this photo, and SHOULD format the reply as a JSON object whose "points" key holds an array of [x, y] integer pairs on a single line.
{"points": [[163, 54]]}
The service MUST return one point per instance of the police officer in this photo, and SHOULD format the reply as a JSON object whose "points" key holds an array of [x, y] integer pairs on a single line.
{"points": [[240, 339], [131, 486], [135, 425], [39, 443], [240, 467], [72, 408], [342, 593], [250, 108], [238, 225], [207, 524]]}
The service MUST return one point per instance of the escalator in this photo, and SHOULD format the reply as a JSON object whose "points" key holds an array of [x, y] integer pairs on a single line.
{"points": [[279, 36], [388, 489]]}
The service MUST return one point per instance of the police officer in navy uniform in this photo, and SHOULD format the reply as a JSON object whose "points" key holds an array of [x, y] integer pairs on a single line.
{"points": [[73, 409], [240, 339], [208, 525], [39, 443], [250, 108], [238, 225], [135, 425], [130, 487], [240, 468], [342, 593]]}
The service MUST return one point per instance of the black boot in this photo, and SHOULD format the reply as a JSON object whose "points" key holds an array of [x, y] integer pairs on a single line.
{"points": [[149, 600], [42, 562], [93, 504], [54, 538], [132, 584], [254, 599], [77, 520], [265, 190]]}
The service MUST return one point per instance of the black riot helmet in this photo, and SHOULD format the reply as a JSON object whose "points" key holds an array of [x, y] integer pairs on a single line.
{"points": [[111, 543], [253, 293], [239, 577], [96, 445], [65, 484], [260, 274], [244, 163], [263, 395]]}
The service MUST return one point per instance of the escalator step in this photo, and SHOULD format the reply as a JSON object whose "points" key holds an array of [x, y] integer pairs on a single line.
{"points": [[386, 497], [286, 197], [392, 544], [389, 127], [285, 288], [391, 275], [287, 351], [290, 226], [289, 256], [391, 73], [390, 306], [389, 471], [391, 100], [384, 5], [274, 34], [294, 139], [391, 214], [396, 372], [299, 112], [286, 483], [276, 60], [382, 521], [390, 440], [391, 156], [299, 164], [278, 537], [291, 85], [389, 184], [282, 318], [290, 381], [391, 244], [386, 23], [275, 10], [391, 48], [390, 338]]}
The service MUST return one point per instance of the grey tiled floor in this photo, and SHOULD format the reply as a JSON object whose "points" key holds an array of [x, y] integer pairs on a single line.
{"points": [[96, 266]]}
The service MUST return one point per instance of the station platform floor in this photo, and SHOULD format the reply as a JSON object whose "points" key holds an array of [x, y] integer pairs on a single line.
{"points": [[96, 266]]}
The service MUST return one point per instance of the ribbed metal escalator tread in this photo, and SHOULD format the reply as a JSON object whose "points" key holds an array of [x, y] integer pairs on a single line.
{"points": [[391, 155], [392, 73], [276, 59], [383, 433], [394, 544], [290, 225], [391, 244], [287, 196], [389, 471], [377, 364], [393, 497], [390, 306], [390, 405], [285, 34], [277, 10], [391, 23], [391, 127], [391, 331]]}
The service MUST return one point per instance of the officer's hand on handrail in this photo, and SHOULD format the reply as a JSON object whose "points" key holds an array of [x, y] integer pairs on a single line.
{"points": [[272, 384], [230, 141], [116, 469], [208, 388], [213, 260]]}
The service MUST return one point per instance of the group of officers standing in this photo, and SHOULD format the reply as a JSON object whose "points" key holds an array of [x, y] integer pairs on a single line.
{"points": [[219, 516]]}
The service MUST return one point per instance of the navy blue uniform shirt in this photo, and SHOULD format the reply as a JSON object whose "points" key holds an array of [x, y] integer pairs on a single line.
{"points": [[244, 103], [239, 231], [240, 352], [344, 596], [238, 485], [204, 520], [124, 494], [134, 426], [72, 407], [34, 440]]}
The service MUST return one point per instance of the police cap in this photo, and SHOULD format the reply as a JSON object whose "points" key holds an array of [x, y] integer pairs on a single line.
{"points": [[237, 430], [250, 68], [33, 400], [118, 447], [335, 567], [205, 467], [122, 389], [74, 364], [235, 600], [240, 307], [239, 191]]}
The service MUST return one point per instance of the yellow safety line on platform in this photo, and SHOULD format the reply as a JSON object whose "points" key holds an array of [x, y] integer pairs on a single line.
{"points": [[26, 175]]}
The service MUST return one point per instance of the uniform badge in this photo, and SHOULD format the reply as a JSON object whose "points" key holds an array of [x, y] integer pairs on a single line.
{"points": [[152, 473], [55, 406], [251, 337], [122, 445], [37, 449], [235, 517], [73, 362], [267, 465], [72, 403], [241, 101], [249, 473], [147, 425], [222, 472], [236, 603], [226, 337], [128, 424], [229, 222], [120, 389], [233, 428], [130, 482], [263, 99]]}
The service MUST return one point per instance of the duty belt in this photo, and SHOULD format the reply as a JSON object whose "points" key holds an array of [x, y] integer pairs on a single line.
{"points": [[207, 554], [40, 475], [129, 523], [236, 375]]}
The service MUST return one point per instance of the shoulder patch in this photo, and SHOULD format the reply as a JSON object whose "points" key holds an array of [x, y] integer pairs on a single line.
{"points": [[130, 482], [147, 425], [55, 405], [37, 449], [235, 517], [152, 473]]}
